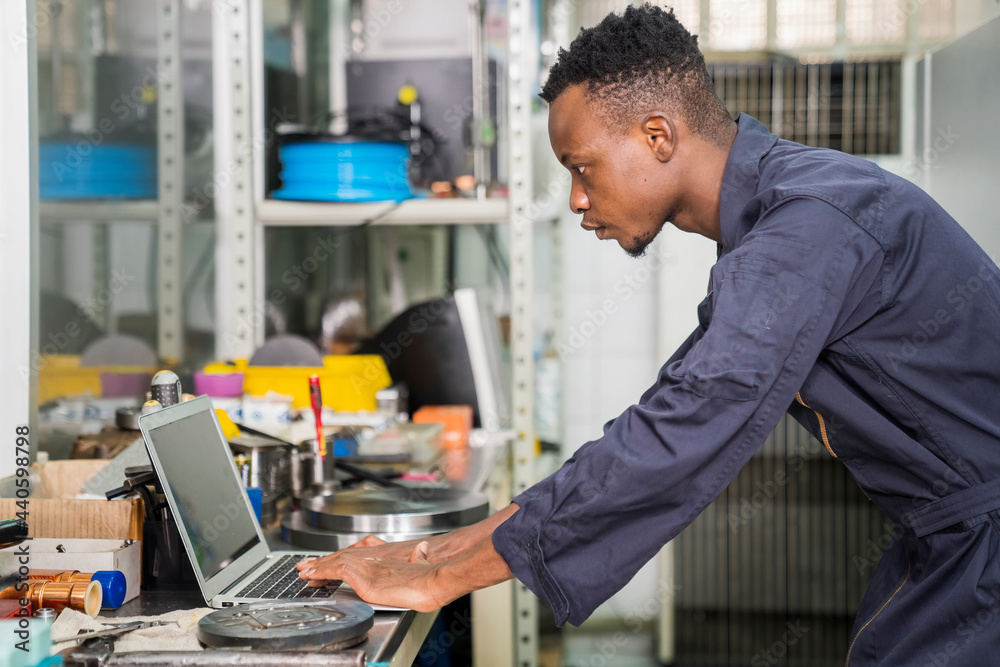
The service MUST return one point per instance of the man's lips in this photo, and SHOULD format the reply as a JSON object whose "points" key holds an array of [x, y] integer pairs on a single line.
{"points": [[599, 230]]}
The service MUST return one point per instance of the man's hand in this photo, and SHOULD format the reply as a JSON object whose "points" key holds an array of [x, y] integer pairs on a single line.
{"points": [[421, 575], [409, 582], [377, 549]]}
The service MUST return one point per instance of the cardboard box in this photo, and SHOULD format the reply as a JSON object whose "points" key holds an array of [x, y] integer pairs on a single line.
{"points": [[90, 519], [87, 556], [63, 479], [54, 511]]}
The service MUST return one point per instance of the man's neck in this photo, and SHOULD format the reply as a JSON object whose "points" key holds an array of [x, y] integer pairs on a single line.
{"points": [[705, 186]]}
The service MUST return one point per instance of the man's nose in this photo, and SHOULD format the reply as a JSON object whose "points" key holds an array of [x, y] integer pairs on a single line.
{"points": [[578, 200]]}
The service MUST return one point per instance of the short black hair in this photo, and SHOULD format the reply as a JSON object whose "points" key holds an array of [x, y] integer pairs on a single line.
{"points": [[638, 61]]}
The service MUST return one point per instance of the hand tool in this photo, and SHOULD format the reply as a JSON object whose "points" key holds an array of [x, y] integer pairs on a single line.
{"points": [[316, 398], [110, 632]]}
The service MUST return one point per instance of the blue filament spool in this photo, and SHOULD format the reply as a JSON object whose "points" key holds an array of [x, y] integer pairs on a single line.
{"points": [[79, 170], [325, 168]]}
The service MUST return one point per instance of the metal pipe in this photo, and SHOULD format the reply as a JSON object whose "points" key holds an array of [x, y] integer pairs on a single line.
{"points": [[82, 596]]}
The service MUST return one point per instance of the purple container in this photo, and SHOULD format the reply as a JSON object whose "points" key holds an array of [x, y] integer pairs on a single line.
{"points": [[124, 384], [228, 385]]}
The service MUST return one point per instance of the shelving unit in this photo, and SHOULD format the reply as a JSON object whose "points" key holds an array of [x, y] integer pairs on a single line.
{"points": [[167, 210], [507, 623]]}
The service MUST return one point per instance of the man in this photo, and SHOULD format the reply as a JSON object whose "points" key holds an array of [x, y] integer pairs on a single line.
{"points": [[842, 294]]}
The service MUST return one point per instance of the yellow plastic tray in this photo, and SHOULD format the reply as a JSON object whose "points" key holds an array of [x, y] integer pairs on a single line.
{"points": [[347, 381], [63, 376]]}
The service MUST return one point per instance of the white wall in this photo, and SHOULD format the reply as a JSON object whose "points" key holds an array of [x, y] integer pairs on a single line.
{"points": [[609, 354], [958, 143]]}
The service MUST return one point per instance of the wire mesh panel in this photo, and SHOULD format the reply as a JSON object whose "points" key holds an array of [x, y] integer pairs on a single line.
{"points": [[849, 106], [774, 570]]}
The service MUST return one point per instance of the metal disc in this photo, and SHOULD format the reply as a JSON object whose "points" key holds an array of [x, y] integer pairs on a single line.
{"points": [[295, 531], [287, 350], [419, 509], [289, 626]]}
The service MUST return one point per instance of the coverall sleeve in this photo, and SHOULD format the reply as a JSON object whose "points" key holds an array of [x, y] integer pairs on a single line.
{"points": [[583, 532]]}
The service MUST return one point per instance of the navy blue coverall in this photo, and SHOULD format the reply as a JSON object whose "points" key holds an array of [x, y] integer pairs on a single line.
{"points": [[847, 297]]}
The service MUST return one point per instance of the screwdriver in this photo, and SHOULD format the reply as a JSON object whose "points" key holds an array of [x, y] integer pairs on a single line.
{"points": [[317, 405]]}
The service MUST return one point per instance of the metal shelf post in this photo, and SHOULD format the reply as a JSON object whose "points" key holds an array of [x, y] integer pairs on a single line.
{"points": [[236, 272], [519, 97], [170, 175]]}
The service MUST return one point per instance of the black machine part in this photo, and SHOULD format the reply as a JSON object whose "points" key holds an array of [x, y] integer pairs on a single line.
{"points": [[280, 626], [13, 532]]}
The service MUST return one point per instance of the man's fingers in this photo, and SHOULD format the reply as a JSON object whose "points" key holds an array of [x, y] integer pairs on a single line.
{"points": [[317, 571], [369, 541], [419, 554], [306, 563]]}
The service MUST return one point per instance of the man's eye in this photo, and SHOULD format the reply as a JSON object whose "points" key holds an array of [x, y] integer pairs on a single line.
{"points": [[579, 169]]}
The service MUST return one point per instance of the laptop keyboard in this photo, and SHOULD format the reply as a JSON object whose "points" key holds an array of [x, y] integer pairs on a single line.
{"points": [[281, 581]]}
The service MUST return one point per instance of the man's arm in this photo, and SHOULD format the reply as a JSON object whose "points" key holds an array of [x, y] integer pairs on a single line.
{"points": [[776, 301]]}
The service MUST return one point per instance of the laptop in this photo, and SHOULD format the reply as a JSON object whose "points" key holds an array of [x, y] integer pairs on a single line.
{"points": [[221, 534]]}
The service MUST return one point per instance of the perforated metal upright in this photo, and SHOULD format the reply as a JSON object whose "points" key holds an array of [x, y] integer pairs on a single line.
{"points": [[170, 175], [242, 214], [519, 95], [239, 320]]}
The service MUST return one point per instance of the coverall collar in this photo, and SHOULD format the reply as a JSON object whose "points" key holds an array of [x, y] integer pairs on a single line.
{"points": [[739, 180]]}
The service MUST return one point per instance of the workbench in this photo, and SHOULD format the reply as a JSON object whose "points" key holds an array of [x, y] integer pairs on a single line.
{"points": [[393, 641], [397, 636]]}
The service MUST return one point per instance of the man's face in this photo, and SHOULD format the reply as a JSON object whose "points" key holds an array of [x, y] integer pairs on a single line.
{"points": [[615, 184]]}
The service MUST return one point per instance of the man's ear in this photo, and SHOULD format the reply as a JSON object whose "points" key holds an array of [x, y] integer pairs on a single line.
{"points": [[660, 134]]}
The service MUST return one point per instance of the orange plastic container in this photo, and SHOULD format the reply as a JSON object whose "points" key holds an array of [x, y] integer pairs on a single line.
{"points": [[457, 421]]}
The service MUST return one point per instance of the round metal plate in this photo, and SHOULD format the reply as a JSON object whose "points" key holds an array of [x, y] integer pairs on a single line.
{"points": [[295, 531], [419, 509], [288, 626]]}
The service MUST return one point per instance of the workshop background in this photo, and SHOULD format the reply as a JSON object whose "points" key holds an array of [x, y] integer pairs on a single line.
{"points": [[171, 227]]}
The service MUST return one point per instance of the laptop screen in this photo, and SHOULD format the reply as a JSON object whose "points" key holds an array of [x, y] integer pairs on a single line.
{"points": [[209, 496]]}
